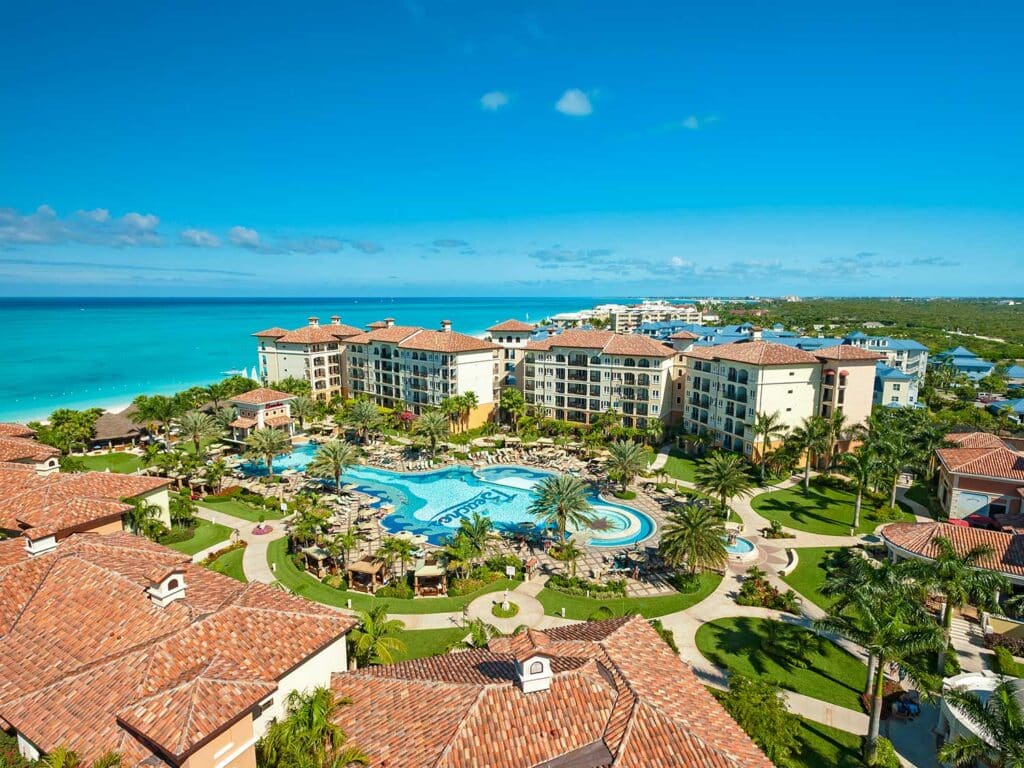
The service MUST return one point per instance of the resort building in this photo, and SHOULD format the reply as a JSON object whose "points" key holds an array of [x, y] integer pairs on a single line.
{"points": [[259, 409], [114, 643], [18, 446], [605, 693], [904, 355], [313, 353], [628, 319], [953, 722], [726, 387], [578, 375], [894, 388], [400, 366], [46, 508], [980, 476], [1012, 409], [963, 361], [512, 336]]}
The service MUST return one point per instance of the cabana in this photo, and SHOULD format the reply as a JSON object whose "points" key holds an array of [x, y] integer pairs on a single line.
{"points": [[430, 579], [366, 574], [316, 560]]}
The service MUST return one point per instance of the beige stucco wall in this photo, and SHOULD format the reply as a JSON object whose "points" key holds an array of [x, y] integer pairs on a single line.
{"points": [[235, 748], [159, 498]]}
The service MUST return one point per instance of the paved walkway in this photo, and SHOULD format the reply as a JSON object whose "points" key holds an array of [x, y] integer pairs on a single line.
{"points": [[254, 561]]}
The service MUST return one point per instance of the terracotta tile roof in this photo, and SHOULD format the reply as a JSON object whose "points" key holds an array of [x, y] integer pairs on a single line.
{"points": [[319, 334], [975, 440], [1007, 549], [243, 422], [683, 336], [278, 421], [618, 697], [275, 331], [61, 502], [23, 449], [392, 334], [605, 341], [87, 660], [847, 352], [446, 341], [1000, 462], [261, 396], [753, 353], [515, 326], [15, 430]]}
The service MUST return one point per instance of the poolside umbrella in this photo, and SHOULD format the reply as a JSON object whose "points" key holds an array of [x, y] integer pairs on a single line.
{"points": [[419, 539], [404, 535]]}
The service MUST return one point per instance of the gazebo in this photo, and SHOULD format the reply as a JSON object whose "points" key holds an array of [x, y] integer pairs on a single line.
{"points": [[430, 579], [366, 574], [316, 558]]}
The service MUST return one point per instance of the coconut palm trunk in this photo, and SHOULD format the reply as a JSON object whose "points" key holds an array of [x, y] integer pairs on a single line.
{"points": [[876, 713]]}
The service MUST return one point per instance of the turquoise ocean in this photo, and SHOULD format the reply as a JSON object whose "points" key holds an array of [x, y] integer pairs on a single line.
{"points": [[77, 353]]}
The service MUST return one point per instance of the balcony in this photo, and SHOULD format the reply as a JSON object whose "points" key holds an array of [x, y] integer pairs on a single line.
{"points": [[576, 402], [578, 361], [577, 376]]}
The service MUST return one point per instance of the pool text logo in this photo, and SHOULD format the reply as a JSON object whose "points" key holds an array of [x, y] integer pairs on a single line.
{"points": [[451, 516]]}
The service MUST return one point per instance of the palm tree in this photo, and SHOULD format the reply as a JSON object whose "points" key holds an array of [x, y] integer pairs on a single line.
{"points": [[768, 427], [107, 760], [307, 736], [143, 519], [197, 427], [158, 408], [220, 390], [811, 437], [694, 535], [835, 428], [267, 444], [480, 634], [375, 639], [862, 468], [513, 405], [562, 499], [460, 553], [723, 475], [224, 417], [451, 407], [477, 530], [468, 401], [959, 580], [626, 460], [331, 460], [62, 757], [303, 408], [879, 626], [213, 476], [364, 416], [398, 549], [569, 553], [433, 425], [1000, 721], [343, 543]]}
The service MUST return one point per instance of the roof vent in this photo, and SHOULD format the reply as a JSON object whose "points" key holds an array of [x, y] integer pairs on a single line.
{"points": [[167, 586], [533, 672], [389, 322], [446, 326], [38, 543], [335, 319], [314, 321]]}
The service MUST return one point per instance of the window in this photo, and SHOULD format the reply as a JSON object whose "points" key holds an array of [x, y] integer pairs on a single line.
{"points": [[895, 387], [537, 668]]}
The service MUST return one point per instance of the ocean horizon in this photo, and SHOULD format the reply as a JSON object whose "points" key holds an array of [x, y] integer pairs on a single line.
{"points": [[103, 352]]}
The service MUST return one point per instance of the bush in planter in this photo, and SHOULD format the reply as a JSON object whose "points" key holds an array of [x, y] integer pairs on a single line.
{"points": [[1015, 645], [684, 582], [1005, 664], [299, 561], [665, 634], [336, 581], [574, 585], [885, 755], [625, 495], [227, 492], [175, 535]]}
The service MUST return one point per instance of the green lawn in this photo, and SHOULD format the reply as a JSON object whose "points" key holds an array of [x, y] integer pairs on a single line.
{"points": [[206, 534], [821, 510], [240, 509], [822, 745], [649, 607], [831, 675], [420, 643], [125, 463], [809, 575], [303, 584], [681, 466], [230, 565]]}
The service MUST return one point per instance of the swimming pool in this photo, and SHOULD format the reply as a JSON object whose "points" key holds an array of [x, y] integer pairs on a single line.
{"points": [[433, 503]]}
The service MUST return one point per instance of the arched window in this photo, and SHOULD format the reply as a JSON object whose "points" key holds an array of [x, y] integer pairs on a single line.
{"points": [[172, 584], [629, 362], [645, 363], [537, 668]]}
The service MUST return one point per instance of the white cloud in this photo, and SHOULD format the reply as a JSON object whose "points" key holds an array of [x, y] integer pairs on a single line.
{"points": [[676, 261], [199, 238], [143, 222], [574, 102], [493, 100], [96, 227], [244, 237], [691, 123], [98, 215]]}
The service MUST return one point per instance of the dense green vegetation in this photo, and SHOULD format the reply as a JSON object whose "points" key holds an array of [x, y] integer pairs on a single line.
{"points": [[928, 321], [583, 607], [824, 672]]}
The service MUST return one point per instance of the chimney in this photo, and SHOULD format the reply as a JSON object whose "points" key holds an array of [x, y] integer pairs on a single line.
{"points": [[389, 322], [314, 321], [755, 333], [551, 332], [167, 586], [446, 326], [39, 542], [335, 319], [533, 673]]}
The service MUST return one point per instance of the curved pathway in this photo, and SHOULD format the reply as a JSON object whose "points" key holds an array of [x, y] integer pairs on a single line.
{"points": [[254, 561]]}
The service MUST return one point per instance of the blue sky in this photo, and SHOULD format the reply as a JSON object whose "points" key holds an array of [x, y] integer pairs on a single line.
{"points": [[492, 148]]}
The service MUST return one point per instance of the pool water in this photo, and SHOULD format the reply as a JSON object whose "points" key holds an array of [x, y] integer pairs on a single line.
{"points": [[740, 546], [433, 503]]}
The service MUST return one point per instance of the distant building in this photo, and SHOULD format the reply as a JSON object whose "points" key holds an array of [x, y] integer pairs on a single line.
{"points": [[313, 353], [963, 361], [1015, 376], [512, 336], [1014, 409], [629, 319], [260, 408], [980, 475], [906, 355], [578, 375], [399, 366], [18, 446], [726, 386], [894, 388]]}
